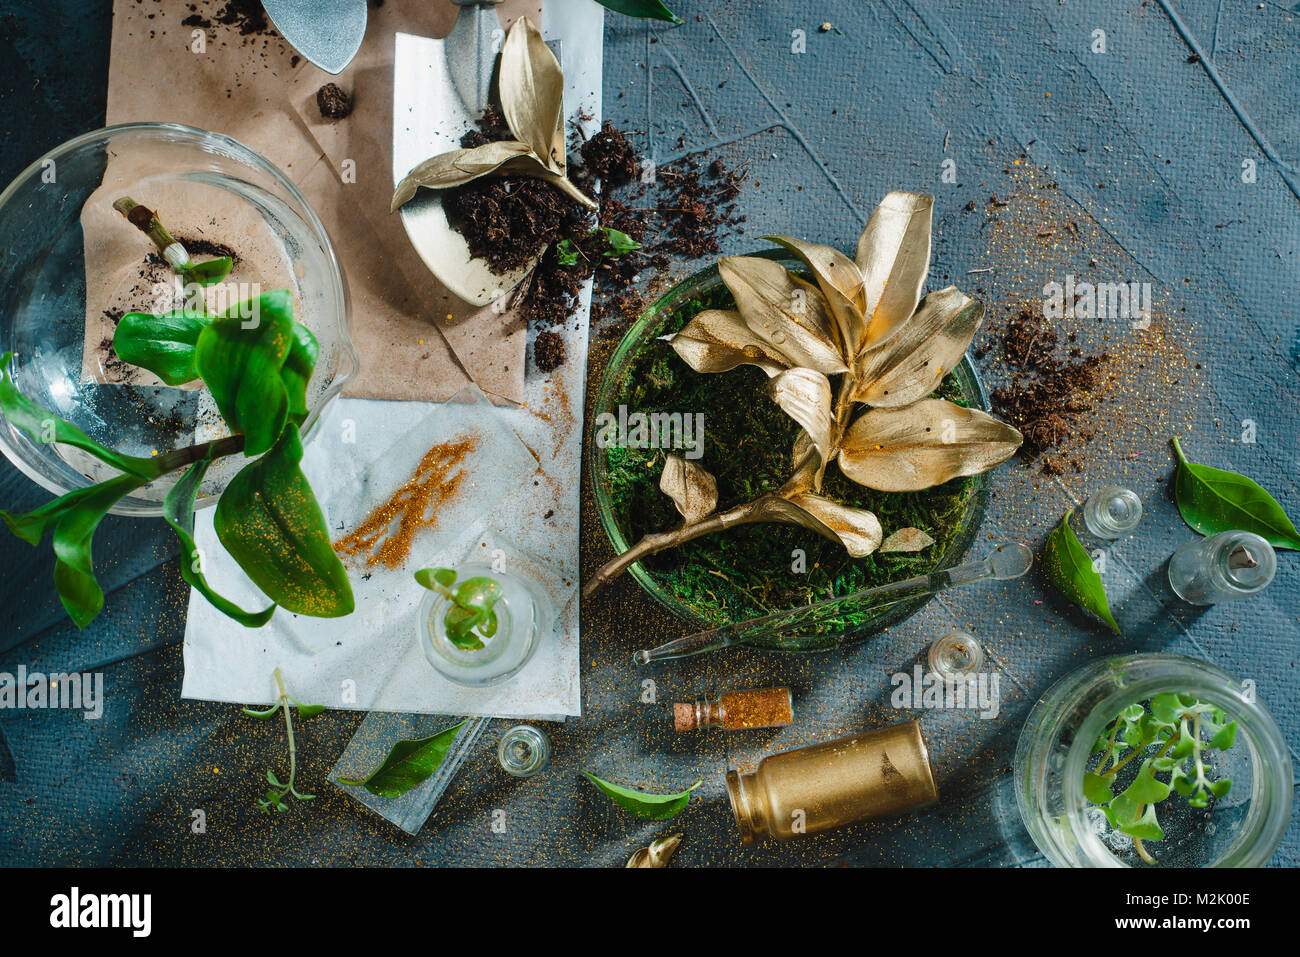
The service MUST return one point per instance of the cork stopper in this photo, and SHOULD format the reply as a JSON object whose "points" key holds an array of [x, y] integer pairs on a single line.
{"points": [[684, 717]]}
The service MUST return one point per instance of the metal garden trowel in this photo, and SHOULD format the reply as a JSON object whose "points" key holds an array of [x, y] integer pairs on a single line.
{"points": [[326, 32], [440, 89]]}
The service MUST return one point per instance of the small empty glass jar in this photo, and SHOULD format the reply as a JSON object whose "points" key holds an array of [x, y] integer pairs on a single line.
{"points": [[524, 750], [1112, 512], [1223, 567], [956, 656]]}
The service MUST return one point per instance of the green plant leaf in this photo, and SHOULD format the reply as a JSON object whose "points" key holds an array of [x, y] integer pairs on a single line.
{"points": [[474, 599], [1069, 568], [656, 807], [208, 272], [262, 715], [239, 356], [1145, 828], [1212, 501], [407, 764], [1221, 787], [163, 344], [642, 9], [297, 369], [430, 577], [178, 510], [269, 521], [566, 254], [74, 570], [620, 243], [1224, 737], [1097, 788], [1166, 707], [1146, 788], [42, 426]]}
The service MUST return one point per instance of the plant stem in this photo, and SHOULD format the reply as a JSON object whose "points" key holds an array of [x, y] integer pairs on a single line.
{"points": [[288, 724], [1140, 847], [146, 220], [659, 541], [1110, 747], [179, 458]]}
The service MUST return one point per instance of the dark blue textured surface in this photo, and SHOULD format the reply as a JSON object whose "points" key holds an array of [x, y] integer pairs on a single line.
{"points": [[1145, 151]]}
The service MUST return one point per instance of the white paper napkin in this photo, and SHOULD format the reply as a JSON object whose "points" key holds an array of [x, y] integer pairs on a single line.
{"points": [[371, 660]]}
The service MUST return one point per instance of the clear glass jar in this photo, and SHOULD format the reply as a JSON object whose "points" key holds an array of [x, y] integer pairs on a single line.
{"points": [[1112, 512], [644, 334], [1242, 829], [525, 616], [1223, 567], [956, 657], [524, 751], [43, 273]]}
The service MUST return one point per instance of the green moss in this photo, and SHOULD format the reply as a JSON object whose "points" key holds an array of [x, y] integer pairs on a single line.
{"points": [[746, 572]]}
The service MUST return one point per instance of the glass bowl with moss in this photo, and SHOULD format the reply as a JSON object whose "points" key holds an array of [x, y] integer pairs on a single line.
{"points": [[756, 569]]}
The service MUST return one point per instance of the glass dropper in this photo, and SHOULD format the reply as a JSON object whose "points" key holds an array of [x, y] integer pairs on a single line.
{"points": [[1007, 561]]}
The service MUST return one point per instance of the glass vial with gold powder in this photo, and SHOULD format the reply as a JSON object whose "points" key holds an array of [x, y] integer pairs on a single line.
{"points": [[736, 710], [823, 786]]}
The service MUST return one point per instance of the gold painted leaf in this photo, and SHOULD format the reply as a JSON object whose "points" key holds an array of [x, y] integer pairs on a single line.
{"points": [[717, 340], [783, 310], [457, 167], [894, 257], [658, 854], [923, 445], [532, 93], [805, 396], [499, 158], [910, 364], [906, 540], [841, 283], [807, 465], [693, 490], [855, 528]]}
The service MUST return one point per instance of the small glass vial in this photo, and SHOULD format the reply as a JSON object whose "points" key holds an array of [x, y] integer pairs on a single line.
{"points": [[1229, 565], [736, 711], [823, 786], [956, 657], [1112, 512], [524, 750]]}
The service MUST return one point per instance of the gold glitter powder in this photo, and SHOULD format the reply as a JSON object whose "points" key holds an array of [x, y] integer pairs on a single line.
{"points": [[412, 507]]}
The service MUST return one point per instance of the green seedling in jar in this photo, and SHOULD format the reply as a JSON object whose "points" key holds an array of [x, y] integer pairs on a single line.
{"points": [[470, 616], [1170, 738]]}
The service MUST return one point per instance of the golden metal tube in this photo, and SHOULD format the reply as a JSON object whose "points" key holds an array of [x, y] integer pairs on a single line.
{"points": [[822, 786]]}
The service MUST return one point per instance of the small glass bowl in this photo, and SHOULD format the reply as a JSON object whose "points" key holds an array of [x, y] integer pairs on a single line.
{"points": [[525, 616], [645, 331], [1243, 829], [42, 314]]}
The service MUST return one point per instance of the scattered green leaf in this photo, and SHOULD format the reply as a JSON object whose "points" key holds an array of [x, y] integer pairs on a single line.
{"points": [[657, 807], [1069, 568], [1212, 501], [642, 9], [408, 764]]}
